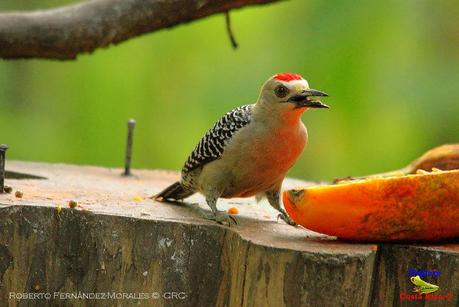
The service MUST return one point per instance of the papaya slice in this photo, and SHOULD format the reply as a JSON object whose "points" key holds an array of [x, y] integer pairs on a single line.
{"points": [[444, 157], [417, 207]]}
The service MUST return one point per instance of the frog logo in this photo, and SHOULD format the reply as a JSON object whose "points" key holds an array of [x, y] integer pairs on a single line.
{"points": [[423, 287]]}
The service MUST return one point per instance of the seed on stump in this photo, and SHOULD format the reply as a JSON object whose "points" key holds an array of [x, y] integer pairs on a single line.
{"points": [[8, 189]]}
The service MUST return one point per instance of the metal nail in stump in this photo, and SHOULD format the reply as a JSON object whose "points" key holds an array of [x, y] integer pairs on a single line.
{"points": [[3, 149], [130, 136]]}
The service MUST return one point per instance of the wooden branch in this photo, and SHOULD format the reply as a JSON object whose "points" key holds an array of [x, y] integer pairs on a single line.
{"points": [[63, 33]]}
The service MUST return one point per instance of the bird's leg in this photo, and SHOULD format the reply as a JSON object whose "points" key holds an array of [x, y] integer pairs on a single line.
{"points": [[274, 201], [220, 217]]}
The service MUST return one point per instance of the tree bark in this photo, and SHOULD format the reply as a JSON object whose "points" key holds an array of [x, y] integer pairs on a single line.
{"points": [[63, 33]]}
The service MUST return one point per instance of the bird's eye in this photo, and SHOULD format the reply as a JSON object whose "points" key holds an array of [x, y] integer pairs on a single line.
{"points": [[281, 91]]}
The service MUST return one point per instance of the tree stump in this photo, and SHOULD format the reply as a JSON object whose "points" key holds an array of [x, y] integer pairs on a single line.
{"points": [[119, 248]]}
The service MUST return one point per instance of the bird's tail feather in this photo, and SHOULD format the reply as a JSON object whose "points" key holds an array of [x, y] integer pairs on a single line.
{"points": [[175, 191]]}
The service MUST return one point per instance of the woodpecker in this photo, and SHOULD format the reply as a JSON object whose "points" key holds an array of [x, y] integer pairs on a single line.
{"points": [[249, 151]]}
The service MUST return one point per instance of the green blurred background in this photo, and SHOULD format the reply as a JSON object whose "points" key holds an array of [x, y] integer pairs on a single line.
{"points": [[391, 69]]}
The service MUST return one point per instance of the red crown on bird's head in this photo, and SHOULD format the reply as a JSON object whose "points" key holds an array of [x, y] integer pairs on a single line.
{"points": [[287, 77]]}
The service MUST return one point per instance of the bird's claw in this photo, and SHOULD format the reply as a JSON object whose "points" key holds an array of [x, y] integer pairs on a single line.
{"points": [[283, 216], [223, 218]]}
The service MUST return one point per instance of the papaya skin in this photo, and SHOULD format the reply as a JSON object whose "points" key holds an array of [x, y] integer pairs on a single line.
{"points": [[418, 207]]}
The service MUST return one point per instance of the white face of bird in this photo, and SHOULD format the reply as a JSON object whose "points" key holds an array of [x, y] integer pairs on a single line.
{"points": [[288, 91]]}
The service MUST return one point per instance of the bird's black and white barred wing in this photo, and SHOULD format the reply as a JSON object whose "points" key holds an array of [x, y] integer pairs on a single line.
{"points": [[213, 143]]}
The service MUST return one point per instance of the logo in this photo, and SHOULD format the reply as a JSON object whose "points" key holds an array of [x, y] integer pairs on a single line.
{"points": [[422, 287]]}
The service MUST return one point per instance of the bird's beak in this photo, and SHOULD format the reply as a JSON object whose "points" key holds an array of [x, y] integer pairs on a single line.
{"points": [[303, 99]]}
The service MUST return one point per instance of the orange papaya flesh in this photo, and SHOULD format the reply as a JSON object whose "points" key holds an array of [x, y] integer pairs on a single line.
{"points": [[423, 206]]}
